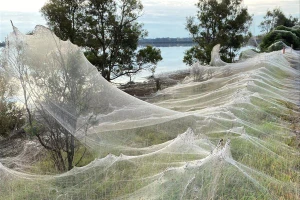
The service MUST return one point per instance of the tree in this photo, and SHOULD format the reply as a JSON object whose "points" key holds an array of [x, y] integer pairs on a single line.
{"points": [[50, 78], [66, 91], [149, 55], [108, 31], [223, 22], [14, 62], [146, 58], [276, 18], [65, 18]]}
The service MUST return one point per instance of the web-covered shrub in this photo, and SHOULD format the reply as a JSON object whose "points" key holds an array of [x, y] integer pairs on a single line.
{"points": [[11, 116]]}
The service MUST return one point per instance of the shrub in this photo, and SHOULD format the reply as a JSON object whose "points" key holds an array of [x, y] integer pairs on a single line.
{"points": [[11, 116], [198, 72], [281, 34]]}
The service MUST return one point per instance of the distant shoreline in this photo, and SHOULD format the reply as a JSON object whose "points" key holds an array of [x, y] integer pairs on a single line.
{"points": [[167, 42], [158, 42]]}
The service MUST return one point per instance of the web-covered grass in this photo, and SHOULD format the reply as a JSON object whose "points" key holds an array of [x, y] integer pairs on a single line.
{"points": [[232, 135]]}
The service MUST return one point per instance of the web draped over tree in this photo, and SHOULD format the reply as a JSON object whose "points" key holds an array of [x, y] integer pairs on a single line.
{"points": [[227, 135]]}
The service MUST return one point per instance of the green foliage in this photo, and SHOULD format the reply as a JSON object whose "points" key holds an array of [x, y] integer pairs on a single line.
{"points": [[225, 23], [149, 55], [76, 95], [295, 30], [108, 30], [276, 18], [34, 129], [65, 18], [284, 35], [11, 116], [45, 165]]}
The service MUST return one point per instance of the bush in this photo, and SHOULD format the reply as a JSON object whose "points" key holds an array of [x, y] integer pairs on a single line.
{"points": [[11, 116], [281, 34], [198, 72], [295, 30]]}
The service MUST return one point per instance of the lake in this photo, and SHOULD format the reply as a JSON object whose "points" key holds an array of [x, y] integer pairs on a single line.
{"points": [[172, 61]]}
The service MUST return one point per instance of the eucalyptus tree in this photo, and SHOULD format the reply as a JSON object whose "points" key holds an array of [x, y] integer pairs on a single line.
{"points": [[108, 31], [65, 18], [275, 18], [224, 22]]}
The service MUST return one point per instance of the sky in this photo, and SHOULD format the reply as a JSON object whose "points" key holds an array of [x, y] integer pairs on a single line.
{"points": [[162, 18]]}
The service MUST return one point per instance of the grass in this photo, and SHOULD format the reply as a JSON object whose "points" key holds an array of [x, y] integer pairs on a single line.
{"points": [[45, 164], [265, 165]]}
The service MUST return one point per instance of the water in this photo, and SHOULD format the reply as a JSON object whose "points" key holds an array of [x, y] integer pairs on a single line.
{"points": [[172, 61]]}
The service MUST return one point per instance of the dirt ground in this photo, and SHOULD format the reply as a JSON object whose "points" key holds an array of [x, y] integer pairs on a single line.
{"points": [[142, 90]]}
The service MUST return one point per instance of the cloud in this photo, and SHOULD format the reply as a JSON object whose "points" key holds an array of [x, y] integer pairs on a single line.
{"points": [[22, 5], [259, 7]]}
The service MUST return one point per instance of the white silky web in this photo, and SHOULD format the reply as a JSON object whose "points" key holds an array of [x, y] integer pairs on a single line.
{"points": [[215, 57], [226, 135]]}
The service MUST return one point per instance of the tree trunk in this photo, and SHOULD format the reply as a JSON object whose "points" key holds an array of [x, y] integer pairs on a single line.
{"points": [[70, 153]]}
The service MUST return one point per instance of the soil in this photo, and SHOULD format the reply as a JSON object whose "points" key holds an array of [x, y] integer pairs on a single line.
{"points": [[12, 146], [143, 90], [20, 151]]}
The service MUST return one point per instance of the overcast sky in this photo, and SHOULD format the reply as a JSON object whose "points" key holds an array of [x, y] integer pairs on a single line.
{"points": [[162, 18]]}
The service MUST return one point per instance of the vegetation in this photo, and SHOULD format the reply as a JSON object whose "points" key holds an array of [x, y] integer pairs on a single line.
{"points": [[2, 44], [40, 123], [11, 116], [57, 138], [263, 162], [108, 30], [284, 35], [65, 18], [223, 22], [45, 164], [276, 18]]}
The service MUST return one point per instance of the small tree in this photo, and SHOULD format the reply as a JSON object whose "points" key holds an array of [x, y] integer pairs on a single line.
{"points": [[66, 93], [146, 59], [54, 82], [14, 60], [276, 18], [223, 22], [198, 72]]}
